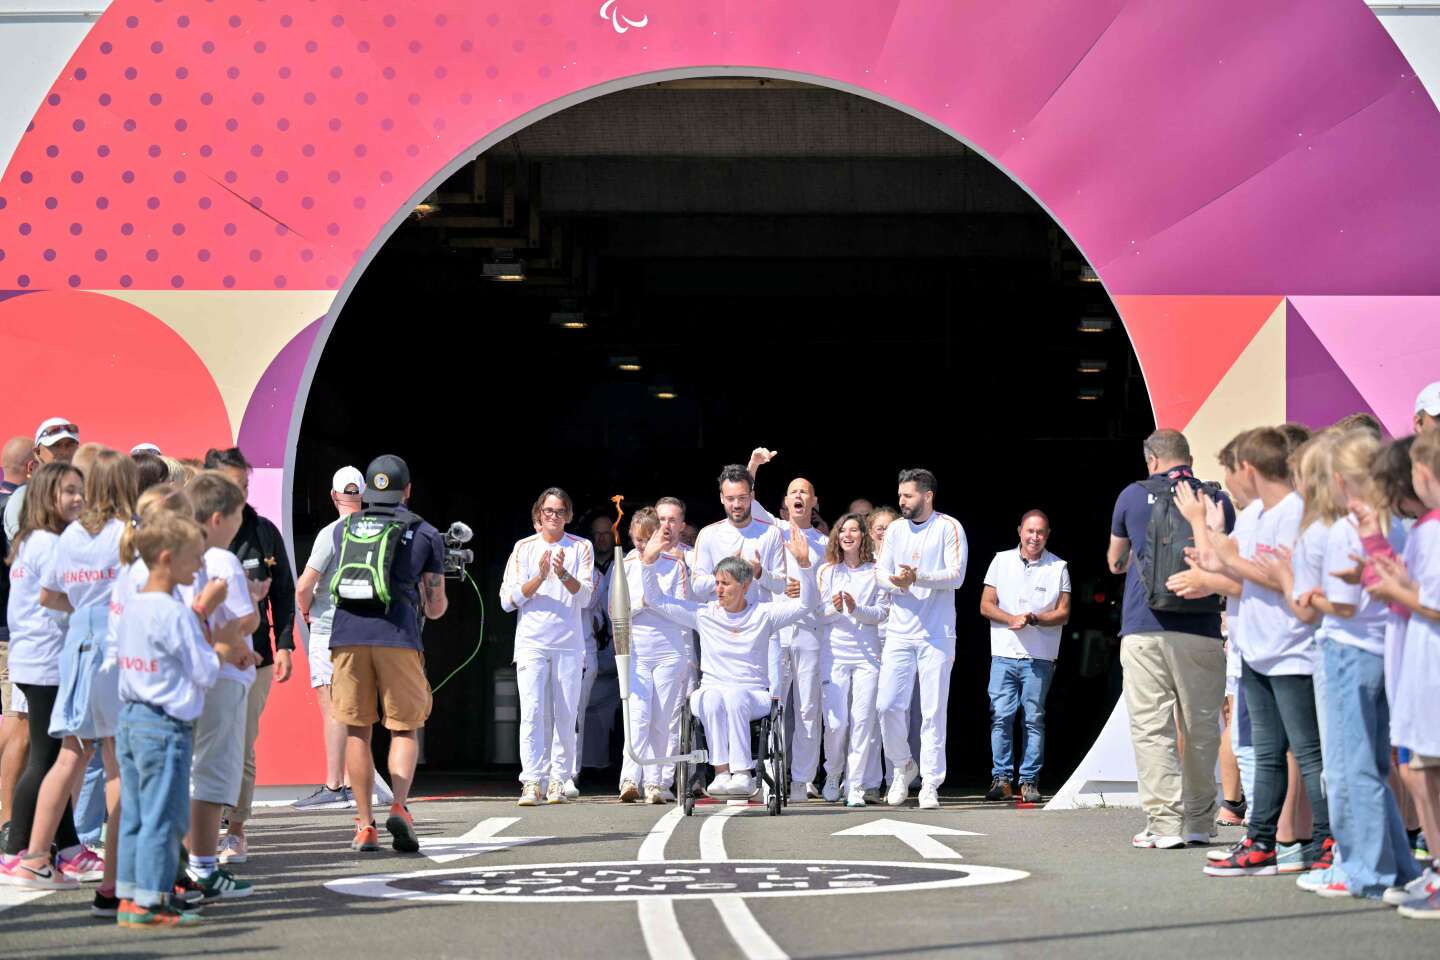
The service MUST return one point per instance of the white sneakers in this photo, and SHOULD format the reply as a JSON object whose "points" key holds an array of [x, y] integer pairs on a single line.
{"points": [[798, 793], [727, 785], [1145, 840], [929, 796], [831, 793], [855, 798], [900, 783], [629, 791], [571, 791], [556, 793], [529, 794], [653, 795]]}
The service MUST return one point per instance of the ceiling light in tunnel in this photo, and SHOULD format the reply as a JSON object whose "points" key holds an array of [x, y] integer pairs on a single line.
{"points": [[664, 393], [1096, 324], [1091, 366], [1088, 274], [507, 271], [569, 320], [1090, 393], [629, 367], [626, 364]]}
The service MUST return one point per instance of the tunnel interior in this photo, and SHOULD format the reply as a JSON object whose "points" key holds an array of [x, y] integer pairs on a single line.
{"points": [[713, 265]]}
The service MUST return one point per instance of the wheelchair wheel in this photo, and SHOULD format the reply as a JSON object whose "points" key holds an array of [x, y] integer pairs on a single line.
{"points": [[683, 785], [780, 749]]}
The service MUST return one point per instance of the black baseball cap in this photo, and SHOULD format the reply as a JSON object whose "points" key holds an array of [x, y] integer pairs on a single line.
{"points": [[385, 480]]}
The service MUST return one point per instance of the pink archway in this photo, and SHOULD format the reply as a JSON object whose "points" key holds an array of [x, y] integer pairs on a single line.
{"points": [[1252, 181]]}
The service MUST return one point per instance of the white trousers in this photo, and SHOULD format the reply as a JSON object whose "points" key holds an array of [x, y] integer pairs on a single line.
{"points": [[726, 712], [549, 687], [900, 664], [590, 668], [805, 672], [657, 688], [852, 724]]}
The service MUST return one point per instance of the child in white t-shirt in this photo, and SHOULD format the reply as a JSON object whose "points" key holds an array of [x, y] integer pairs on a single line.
{"points": [[220, 728], [165, 666]]}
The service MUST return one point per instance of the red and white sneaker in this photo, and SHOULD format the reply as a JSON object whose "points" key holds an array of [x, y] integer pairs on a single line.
{"points": [[84, 867], [1249, 859]]}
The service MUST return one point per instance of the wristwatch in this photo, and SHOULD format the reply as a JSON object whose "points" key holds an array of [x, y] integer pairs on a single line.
{"points": [[1031, 619]]}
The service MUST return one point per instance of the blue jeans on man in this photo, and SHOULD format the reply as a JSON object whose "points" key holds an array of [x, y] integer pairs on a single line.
{"points": [[1015, 684], [154, 750]]}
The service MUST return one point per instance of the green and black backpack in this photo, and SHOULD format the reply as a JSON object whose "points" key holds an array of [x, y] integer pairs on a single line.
{"points": [[369, 541]]}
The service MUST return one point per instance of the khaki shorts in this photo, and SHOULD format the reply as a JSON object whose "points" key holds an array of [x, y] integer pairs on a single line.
{"points": [[391, 676], [1419, 762]]}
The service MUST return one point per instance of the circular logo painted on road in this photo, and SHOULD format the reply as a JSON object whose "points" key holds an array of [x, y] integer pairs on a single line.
{"points": [[677, 879]]}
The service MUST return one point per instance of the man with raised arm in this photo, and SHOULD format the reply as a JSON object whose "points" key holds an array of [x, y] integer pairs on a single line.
{"points": [[922, 564]]}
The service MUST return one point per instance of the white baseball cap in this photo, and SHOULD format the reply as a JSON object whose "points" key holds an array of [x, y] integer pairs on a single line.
{"points": [[144, 448], [344, 477], [54, 430], [1429, 400]]}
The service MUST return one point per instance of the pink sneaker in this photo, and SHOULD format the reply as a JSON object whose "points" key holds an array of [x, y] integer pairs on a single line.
{"points": [[45, 878], [7, 864], [84, 867]]}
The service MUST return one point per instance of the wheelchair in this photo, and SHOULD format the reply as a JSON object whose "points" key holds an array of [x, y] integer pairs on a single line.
{"points": [[767, 748]]}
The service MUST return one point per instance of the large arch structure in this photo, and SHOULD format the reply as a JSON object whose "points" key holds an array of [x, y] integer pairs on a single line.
{"points": [[1254, 183]]}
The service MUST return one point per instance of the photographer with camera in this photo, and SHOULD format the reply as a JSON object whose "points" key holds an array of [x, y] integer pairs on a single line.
{"points": [[375, 648]]}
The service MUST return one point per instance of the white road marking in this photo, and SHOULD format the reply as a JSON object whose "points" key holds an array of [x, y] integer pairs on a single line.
{"points": [[740, 923], [11, 897], [479, 839], [658, 923], [920, 837]]}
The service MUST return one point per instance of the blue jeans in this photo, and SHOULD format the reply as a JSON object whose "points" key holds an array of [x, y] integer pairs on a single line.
{"points": [[154, 752], [90, 812], [1366, 820], [1017, 683], [1282, 717]]}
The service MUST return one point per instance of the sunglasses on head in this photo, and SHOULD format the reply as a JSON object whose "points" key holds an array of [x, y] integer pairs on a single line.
{"points": [[57, 429]]}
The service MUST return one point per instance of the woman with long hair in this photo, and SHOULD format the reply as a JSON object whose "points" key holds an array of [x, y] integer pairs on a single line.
{"points": [[55, 497], [852, 606]]}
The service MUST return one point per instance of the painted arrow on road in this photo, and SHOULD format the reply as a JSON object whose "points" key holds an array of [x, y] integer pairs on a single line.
{"points": [[920, 837], [477, 840]]}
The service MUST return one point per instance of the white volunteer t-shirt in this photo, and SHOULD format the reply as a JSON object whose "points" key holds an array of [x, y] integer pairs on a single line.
{"points": [[552, 618], [723, 539], [854, 636], [86, 567], [1272, 640], [35, 636], [1307, 563], [939, 552], [1022, 587], [322, 561], [653, 637], [1365, 630], [1415, 714], [1244, 535], [163, 657], [223, 565]]}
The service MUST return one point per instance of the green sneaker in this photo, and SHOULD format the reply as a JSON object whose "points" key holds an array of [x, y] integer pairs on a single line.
{"points": [[134, 917], [222, 885], [1290, 857]]}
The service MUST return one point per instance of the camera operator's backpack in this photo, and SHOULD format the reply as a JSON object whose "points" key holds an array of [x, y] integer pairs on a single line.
{"points": [[369, 540], [1166, 537]]}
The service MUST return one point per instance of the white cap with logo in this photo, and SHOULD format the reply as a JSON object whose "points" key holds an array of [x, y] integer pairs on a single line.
{"points": [[1429, 400], [144, 448], [55, 429], [347, 476]]}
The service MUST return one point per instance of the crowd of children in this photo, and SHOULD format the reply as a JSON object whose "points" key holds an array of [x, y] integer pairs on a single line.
{"points": [[1334, 569]]}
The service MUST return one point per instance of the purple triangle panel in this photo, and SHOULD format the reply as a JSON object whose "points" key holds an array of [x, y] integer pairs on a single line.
{"points": [[7, 294], [1317, 392], [266, 423]]}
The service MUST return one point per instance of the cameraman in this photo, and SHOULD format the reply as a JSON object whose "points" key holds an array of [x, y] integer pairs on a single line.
{"points": [[377, 654]]}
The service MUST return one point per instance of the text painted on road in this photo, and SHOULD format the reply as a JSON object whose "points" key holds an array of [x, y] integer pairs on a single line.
{"points": [[680, 879]]}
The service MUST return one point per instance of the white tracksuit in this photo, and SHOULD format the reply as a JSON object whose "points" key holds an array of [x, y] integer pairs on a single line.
{"points": [[742, 661], [854, 643], [723, 539], [596, 612], [662, 659], [549, 652], [920, 636]]}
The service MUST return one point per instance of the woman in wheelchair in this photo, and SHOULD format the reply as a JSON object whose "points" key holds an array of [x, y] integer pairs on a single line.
{"points": [[740, 651]]}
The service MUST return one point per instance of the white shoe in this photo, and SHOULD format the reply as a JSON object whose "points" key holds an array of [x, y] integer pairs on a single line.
{"points": [[810, 791], [667, 795], [233, 850], [855, 798], [741, 784], [629, 791], [798, 793], [1145, 840], [900, 784], [929, 796], [720, 786], [831, 792], [571, 791], [383, 796], [556, 793], [653, 796], [529, 794], [1417, 890]]}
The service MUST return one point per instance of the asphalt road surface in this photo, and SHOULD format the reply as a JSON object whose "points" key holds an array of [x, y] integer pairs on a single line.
{"points": [[597, 878]]}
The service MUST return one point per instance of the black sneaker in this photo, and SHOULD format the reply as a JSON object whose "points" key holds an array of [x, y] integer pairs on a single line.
{"points": [[187, 892], [104, 907], [1000, 789], [1029, 793]]}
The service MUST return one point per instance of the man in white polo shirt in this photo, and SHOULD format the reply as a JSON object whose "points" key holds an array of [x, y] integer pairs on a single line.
{"points": [[1427, 408], [1027, 601]]}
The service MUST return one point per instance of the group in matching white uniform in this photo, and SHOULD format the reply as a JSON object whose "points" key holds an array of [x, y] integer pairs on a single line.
{"points": [[852, 723], [549, 654], [662, 666]]}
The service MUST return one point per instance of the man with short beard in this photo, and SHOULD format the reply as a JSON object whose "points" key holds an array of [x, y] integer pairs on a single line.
{"points": [[743, 535], [922, 564]]}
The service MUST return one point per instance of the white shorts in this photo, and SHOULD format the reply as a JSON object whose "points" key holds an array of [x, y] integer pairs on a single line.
{"points": [[317, 651], [219, 761], [18, 703]]}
